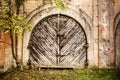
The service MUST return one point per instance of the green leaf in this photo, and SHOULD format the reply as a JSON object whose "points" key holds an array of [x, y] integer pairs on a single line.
{"points": [[60, 4]]}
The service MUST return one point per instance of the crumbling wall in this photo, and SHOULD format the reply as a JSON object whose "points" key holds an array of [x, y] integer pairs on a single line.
{"points": [[5, 53], [2, 50]]}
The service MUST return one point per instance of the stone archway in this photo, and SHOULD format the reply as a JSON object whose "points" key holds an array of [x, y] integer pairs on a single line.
{"points": [[79, 15]]}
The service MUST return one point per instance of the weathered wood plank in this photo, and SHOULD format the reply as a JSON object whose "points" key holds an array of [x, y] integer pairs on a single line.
{"points": [[57, 40]]}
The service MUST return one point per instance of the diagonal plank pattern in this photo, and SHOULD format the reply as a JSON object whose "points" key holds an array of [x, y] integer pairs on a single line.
{"points": [[57, 40]]}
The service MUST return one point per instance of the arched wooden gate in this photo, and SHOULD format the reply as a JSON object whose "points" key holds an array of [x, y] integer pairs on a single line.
{"points": [[58, 41]]}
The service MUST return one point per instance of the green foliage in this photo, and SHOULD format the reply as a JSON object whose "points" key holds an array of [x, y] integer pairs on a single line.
{"points": [[16, 23], [13, 24], [19, 2], [60, 4], [50, 1], [7, 1]]}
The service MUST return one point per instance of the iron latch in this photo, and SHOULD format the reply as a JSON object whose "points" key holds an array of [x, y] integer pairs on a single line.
{"points": [[60, 55]]}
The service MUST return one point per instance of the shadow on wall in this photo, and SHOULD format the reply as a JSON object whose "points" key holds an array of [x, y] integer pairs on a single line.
{"points": [[117, 40]]}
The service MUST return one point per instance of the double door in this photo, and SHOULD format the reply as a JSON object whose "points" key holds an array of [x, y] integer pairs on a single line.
{"points": [[58, 41]]}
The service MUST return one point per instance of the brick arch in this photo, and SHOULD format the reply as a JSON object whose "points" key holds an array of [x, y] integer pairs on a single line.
{"points": [[78, 14], [117, 40]]}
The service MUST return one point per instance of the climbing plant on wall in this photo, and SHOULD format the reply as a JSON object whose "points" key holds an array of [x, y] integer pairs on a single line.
{"points": [[59, 3], [13, 24]]}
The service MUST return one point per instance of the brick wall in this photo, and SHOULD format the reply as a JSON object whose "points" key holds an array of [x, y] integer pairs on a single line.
{"points": [[2, 50]]}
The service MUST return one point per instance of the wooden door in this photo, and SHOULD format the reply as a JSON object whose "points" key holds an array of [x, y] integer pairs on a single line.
{"points": [[58, 40]]}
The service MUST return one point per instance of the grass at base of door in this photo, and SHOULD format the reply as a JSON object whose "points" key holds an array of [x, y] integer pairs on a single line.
{"points": [[50, 74]]}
